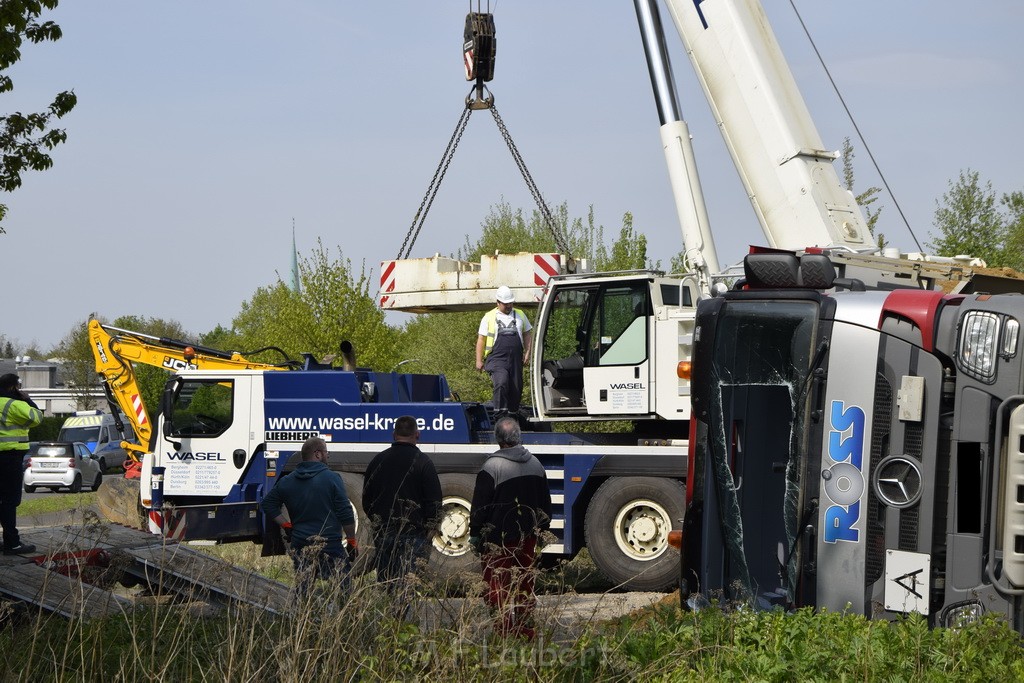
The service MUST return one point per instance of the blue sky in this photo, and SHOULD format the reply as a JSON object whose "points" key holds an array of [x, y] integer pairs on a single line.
{"points": [[203, 129]]}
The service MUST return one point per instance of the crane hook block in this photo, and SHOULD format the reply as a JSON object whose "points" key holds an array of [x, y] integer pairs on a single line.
{"points": [[479, 46]]}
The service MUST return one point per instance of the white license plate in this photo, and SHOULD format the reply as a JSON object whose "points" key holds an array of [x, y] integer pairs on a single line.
{"points": [[50, 465]]}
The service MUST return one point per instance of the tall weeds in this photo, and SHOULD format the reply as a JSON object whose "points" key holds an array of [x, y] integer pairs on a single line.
{"points": [[369, 633]]}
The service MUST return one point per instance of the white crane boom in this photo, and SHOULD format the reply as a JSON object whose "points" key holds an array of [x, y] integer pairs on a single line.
{"points": [[789, 176]]}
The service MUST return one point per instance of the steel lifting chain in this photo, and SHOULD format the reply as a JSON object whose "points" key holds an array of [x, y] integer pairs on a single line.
{"points": [[435, 184], [560, 242], [479, 51]]}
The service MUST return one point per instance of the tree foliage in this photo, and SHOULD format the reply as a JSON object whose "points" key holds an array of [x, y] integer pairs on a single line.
{"points": [[866, 198], [508, 231], [79, 367], [26, 139], [334, 304], [1013, 206], [969, 221]]}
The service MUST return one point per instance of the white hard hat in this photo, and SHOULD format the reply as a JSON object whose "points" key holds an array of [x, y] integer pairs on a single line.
{"points": [[505, 295]]}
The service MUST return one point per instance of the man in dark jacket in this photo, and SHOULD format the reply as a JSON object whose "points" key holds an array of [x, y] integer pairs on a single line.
{"points": [[511, 507], [402, 497], [319, 512], [18, 414]]}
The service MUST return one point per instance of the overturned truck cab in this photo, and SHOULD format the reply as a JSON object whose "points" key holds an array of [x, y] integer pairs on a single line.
{"points": [[856, 450]]}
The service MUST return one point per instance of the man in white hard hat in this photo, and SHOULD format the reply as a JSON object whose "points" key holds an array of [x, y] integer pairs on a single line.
{"points": [[502, 348]]}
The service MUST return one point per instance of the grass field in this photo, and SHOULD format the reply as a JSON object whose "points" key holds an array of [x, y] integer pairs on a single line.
{"points": [[56, 503]]}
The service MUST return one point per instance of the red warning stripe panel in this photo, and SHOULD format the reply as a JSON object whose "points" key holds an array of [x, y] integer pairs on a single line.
{"points": [[140, 409], [387, 280], [545, 266]]}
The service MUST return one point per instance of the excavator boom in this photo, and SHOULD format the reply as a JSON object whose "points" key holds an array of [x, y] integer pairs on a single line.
{"points": [[116, 350]]}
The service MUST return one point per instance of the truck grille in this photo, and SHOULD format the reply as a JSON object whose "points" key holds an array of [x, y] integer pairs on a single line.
{"points": [[881, 425], [913, 438]]}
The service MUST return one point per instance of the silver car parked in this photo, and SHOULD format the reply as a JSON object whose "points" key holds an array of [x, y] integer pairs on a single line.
{"points": [[61, 464]]}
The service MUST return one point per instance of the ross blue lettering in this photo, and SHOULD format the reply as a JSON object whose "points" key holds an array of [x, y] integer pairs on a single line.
{"points": [[839, 523], [844, 481], [850, 448]]}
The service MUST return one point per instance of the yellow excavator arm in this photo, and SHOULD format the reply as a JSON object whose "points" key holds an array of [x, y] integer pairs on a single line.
{"points": [[116, 350]]}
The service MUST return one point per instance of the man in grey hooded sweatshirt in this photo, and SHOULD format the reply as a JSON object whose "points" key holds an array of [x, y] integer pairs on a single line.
{"points": [[511, 507], [319, 512]]}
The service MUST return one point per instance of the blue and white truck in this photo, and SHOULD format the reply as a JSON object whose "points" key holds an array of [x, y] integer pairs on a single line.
{"points": [[224, 438]]}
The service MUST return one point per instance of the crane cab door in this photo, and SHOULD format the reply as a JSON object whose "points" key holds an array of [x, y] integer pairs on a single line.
{"points": [[595, 349], [206, 441]]}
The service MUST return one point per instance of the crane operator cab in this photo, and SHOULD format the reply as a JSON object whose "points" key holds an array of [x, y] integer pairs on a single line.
{"points": [[599, 340]]}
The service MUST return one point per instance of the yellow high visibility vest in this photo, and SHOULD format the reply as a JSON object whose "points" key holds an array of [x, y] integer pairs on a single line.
{"points": [[491, 317], [16, 418]]}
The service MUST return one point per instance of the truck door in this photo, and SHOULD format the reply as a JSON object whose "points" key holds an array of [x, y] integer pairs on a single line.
{"points": [[595, 349], [616, 373], [206, 441]]}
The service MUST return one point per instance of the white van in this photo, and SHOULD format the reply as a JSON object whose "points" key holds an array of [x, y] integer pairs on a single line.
{"points": [[98, 431]]}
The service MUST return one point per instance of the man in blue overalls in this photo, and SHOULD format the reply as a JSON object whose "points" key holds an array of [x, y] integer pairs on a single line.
{"points": [[502, 348]]}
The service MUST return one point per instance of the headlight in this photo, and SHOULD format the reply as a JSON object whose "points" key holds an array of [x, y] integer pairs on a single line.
{"points": [[979, 336], [963, 614], [1011, 330]]}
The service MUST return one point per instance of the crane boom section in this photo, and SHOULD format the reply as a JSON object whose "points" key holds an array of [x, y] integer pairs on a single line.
{"points": [[774, 144]]}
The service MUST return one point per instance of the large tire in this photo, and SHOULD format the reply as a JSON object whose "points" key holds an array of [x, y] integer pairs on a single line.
{"points": [[97, 481], [627, 526], [76, 485], [450, 555]]}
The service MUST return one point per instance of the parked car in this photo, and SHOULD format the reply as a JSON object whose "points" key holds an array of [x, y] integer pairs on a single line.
{"points": [[28, 454], [62, 464], [98, 431]]}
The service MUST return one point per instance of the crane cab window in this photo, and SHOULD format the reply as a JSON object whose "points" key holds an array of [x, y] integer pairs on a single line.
{"points": [[201, 408], [618, 328]]}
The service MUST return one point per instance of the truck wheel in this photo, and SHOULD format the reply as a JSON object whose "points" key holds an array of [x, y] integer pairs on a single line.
{"points": [[451, 557], [627, 527], [354, 489], [97, 481], [76, 485]]}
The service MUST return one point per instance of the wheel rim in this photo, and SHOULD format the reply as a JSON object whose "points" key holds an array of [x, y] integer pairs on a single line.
{"points": [[453, 540], [641, 529]]}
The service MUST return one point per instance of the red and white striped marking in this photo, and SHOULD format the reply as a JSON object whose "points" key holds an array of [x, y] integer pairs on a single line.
{"points": [[545, 266], [169, 525], [387, 281], [469, 62], [140, 410]]}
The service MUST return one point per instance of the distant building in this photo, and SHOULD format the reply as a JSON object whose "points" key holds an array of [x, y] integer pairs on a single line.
{"points": [[44, 382]]}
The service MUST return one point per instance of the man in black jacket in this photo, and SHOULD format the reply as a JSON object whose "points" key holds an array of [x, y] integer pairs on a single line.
{"points": [[511, 508], [402, 497]]}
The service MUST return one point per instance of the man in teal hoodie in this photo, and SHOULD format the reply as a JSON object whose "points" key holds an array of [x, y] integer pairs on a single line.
{"points": [[319, 512]]}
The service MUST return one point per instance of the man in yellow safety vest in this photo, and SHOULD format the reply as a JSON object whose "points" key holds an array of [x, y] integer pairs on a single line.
{"points": [[17, 415], [502, 349]]}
